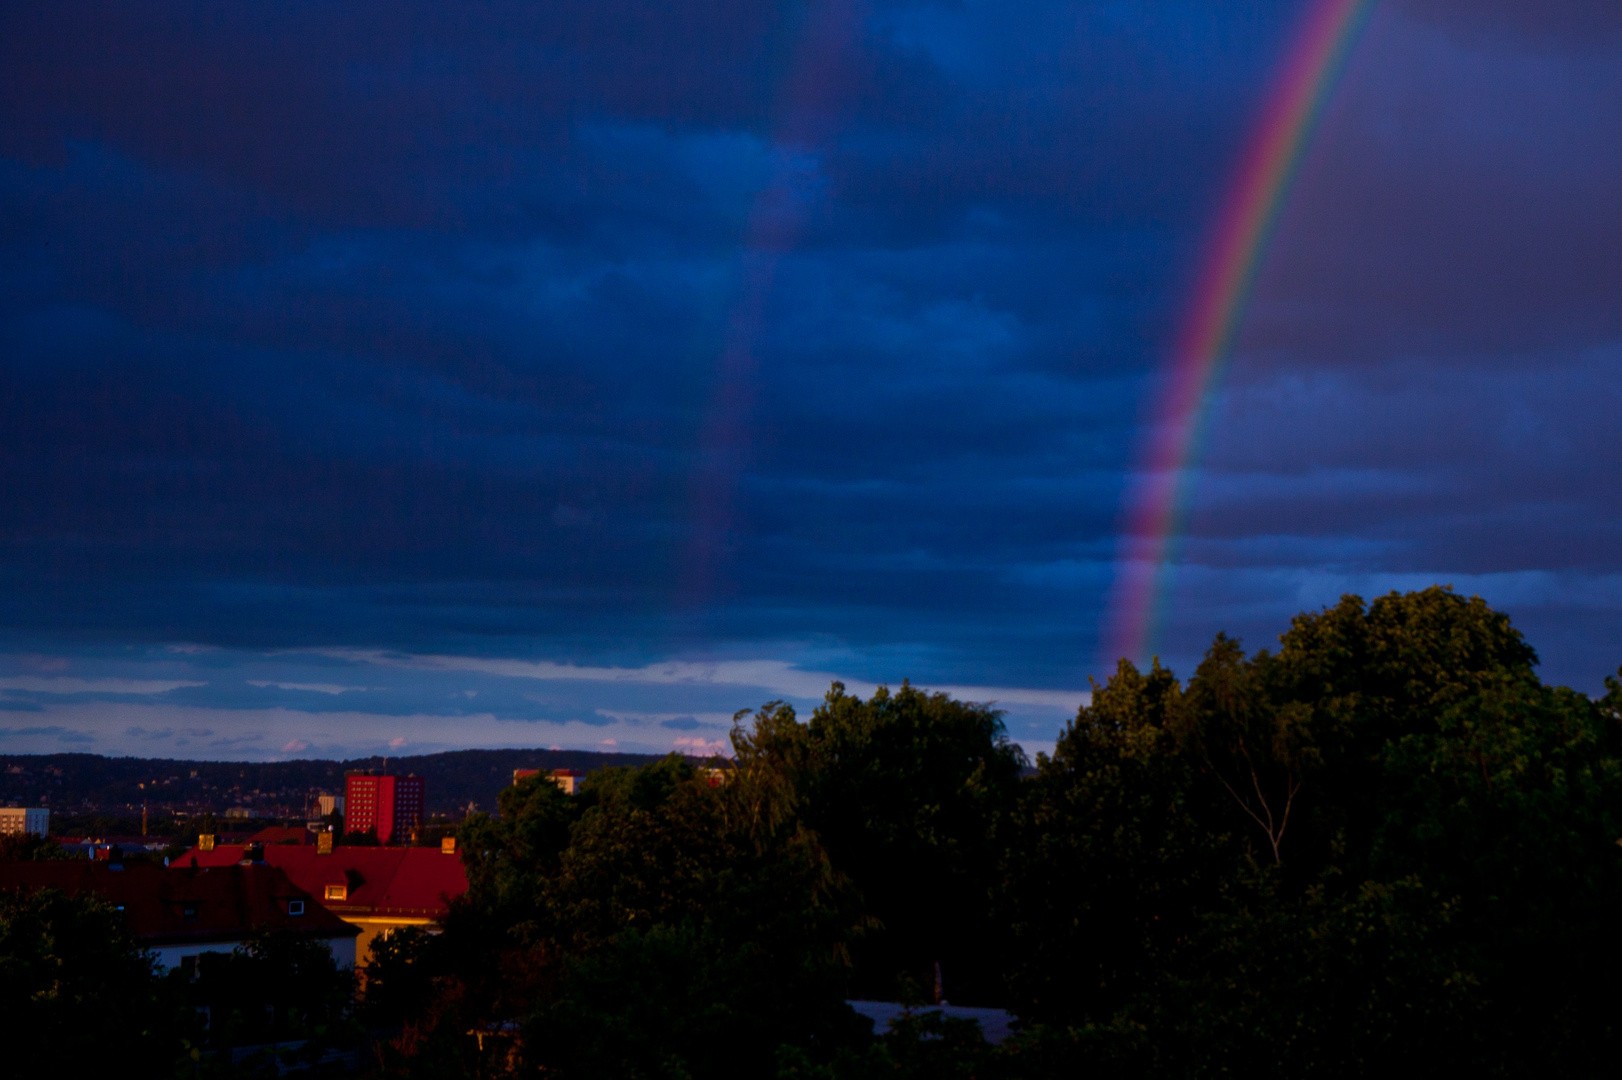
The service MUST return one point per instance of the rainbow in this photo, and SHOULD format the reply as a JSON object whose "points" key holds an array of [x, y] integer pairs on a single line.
{"points": [[1310, 70], [806, 115]]}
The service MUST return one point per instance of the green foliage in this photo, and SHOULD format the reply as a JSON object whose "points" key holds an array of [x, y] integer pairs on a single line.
{"points": [[1115, 844], [68, 969], [684, 912], [660, 871], [399, 976], [510, 858], [276, 988], [1387, 844], [29, 847], [677, 1000], [1390, 842], [930, 1044], [905, 791]]}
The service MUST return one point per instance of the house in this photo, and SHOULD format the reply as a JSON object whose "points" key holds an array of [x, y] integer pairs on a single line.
{"points": [[179, 914], [567, 779], [375, 889]]}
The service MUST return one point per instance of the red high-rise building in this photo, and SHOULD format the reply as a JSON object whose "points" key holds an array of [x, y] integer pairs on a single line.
{"points": [[390, 806]]}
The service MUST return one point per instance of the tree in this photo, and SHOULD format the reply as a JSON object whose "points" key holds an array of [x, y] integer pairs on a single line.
{"points": [[598, 919], [510, 857], [277, 987], [905, 791], [68, 967], [29, 847], [695, 932], [1114, 847], [1258, 749], [1388, 844]]}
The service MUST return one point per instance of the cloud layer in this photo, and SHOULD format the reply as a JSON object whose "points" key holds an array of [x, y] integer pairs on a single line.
{"points": [[215, 703]]}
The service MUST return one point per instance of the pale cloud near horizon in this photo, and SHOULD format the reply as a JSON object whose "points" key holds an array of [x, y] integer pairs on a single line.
{"points": [[199, 733], [775, 675], [34, 684], [309, 703], [111, 727], [778, 676]]}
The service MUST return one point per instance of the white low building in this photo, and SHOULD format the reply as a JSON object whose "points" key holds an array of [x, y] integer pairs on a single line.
{"points": [[21, 819]]}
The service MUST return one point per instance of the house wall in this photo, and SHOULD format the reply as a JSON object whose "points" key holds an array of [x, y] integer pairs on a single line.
{"points": [[169, 956]]}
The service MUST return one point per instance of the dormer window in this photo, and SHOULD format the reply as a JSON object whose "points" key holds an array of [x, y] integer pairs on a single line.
{"points": [[295, 907], [337, 892]]}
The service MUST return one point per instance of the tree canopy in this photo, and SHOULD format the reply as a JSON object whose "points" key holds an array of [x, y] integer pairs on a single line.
{"points": [[1386, 843], [68, 969], [1389, 841]]}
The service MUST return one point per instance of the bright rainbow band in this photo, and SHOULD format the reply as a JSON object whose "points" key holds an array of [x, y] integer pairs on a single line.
{"points": [[1311, 69]]}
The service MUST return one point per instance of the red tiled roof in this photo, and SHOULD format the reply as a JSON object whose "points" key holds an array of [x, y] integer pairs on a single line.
{"points": [[414, 882], [282, 834], [165, 907]]}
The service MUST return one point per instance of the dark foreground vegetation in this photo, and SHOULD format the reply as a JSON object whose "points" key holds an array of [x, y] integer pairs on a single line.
{"points": [[1387, 845]]}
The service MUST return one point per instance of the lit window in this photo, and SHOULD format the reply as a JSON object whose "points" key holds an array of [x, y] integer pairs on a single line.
{"points": [[337, 892], [295, 907]]}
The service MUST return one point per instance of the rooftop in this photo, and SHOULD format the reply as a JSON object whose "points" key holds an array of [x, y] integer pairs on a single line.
{"points": [[169, 907], [405, 882]]}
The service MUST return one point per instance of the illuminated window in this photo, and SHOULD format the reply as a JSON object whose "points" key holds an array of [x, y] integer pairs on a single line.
{"points": [[337, 892]]}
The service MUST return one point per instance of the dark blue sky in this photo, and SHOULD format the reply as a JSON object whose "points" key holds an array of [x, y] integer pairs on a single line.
{"points": [[579, 373]]}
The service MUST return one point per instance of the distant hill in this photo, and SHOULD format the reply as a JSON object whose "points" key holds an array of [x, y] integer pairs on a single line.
{"points": [[90, 783]]}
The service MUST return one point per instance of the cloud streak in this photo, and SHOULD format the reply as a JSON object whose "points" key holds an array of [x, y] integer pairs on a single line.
{"points": [[60, 685]]}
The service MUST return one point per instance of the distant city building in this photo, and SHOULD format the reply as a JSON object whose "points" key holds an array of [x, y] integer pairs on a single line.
{"points": [[329, 804], [17, 819], [391, 807], [567, 779], [181, 914]]}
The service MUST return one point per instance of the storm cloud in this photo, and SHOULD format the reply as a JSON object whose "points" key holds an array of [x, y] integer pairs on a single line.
{"points": [[823, 335]]}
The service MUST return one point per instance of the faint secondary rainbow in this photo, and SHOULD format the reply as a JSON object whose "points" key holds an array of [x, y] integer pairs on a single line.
{"points": [[1311, 67], [808, 110]]}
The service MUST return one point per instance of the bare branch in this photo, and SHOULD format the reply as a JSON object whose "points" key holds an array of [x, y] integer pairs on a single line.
{"points": [[1243, 805]]}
